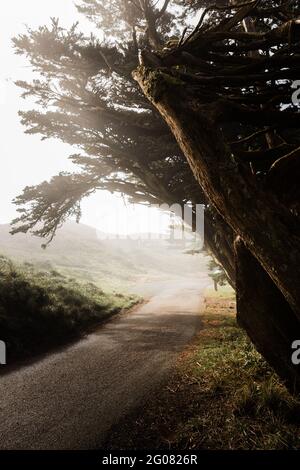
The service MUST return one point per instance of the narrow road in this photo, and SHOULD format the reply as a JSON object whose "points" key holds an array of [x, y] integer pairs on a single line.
{"points": [[70, 399]]}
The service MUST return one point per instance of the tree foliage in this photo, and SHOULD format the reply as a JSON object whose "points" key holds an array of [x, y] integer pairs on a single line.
{"points": [[86, 96]]}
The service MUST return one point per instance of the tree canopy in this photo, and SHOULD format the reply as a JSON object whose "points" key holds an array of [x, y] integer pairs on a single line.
{"points": [[86, 96], [182, 101]]}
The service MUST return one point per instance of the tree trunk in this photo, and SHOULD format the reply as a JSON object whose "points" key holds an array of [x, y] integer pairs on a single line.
{"points": [[266, 316], [267, 228], [269, 303], [219, 238]]}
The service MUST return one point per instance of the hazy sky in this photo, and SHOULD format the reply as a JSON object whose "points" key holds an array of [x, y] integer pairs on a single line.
{"points": [[26, 160]]}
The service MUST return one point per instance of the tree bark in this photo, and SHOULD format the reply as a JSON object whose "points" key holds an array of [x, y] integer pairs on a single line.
{"points": [[266, 316], [219, 238], [267, 228]]}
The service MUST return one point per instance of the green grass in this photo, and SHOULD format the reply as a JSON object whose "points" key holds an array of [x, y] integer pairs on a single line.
{"points": [[222, 396], [242, 404], [224, 292], [42, 309]]}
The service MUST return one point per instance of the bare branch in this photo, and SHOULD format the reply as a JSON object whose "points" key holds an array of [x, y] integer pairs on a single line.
{"points": [[163, 9]]}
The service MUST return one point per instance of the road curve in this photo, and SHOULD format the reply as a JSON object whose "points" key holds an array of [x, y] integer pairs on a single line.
{"points": [[70, 399]]}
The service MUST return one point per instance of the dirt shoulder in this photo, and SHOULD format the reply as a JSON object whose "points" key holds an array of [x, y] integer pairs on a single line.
{"points": [[222, 395]]}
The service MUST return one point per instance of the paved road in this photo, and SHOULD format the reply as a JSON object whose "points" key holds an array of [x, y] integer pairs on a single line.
{"points": [[70, 399]]}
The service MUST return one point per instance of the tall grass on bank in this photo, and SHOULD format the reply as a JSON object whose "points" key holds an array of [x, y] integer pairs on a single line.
{"points": [[241, 403], [40, 309]]}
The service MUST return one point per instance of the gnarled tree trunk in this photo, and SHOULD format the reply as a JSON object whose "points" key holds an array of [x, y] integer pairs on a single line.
{"points": [[195, 90], [267, 228]]}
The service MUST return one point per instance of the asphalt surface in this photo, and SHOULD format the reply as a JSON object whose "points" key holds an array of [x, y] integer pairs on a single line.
{"points": [[71, 399]]}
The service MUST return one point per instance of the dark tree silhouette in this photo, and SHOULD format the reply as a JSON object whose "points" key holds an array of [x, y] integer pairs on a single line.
{"points": [[225, 92], [223, 88]]}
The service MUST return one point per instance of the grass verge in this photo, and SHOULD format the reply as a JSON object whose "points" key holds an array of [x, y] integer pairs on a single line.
{"points": [[222, 396], [40, 310]]}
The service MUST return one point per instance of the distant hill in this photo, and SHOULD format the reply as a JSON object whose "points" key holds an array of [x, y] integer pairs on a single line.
{"points": [[80, 252]]}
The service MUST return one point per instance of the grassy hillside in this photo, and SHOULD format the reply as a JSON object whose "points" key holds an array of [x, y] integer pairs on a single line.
{"points": [[79, 252], [76, 251], [42, 309], [47, 296]]}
